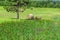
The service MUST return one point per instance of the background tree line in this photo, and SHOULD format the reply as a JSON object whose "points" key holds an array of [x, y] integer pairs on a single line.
{"points": [[53, 4]]}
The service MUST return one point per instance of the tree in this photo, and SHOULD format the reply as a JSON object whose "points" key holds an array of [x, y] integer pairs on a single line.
{"points": [[15, 5]]}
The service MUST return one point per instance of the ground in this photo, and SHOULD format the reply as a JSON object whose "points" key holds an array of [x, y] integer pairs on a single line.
{"points": [[48, 28]]}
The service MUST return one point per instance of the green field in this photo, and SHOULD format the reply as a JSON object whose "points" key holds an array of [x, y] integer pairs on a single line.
{"points": [[43, 12], [48, 28]]}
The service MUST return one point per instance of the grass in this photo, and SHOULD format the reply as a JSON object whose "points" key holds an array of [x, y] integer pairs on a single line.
{"points": [[48, 28], [30, 30], [46, 13]]}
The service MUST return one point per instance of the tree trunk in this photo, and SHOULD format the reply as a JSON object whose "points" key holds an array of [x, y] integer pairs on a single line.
{"points": [[17, 11], [17, 14]]}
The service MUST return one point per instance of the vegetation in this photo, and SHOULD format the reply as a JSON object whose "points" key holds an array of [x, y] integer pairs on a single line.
{"points": [[47, 3], [20, 29], [46, 28], [30, 30], [45, 13], [14, 6]]}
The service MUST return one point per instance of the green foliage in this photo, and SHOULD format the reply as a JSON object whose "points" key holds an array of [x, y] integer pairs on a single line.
{"points": [[48, 4], [51, 3], [10, 8], [15, 5]]}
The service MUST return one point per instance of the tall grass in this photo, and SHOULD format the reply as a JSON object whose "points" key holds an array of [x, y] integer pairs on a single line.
{"points": [[30, 30]]}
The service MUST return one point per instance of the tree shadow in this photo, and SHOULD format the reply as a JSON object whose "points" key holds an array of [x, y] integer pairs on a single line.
{"points": [[13, 18]]}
